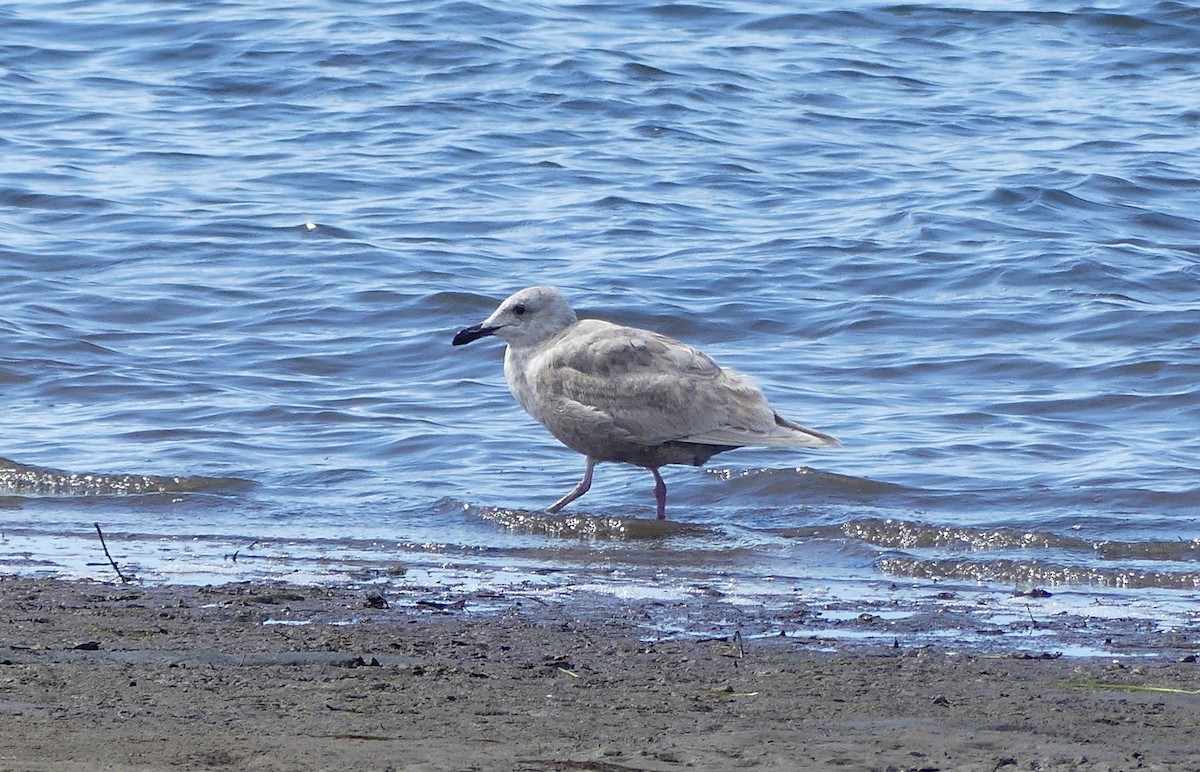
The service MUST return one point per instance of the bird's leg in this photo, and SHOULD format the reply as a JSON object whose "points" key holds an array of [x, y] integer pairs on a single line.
{"points": [[660, 494], [579, 490]]}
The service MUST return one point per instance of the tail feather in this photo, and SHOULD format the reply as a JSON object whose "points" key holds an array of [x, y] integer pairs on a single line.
{"points": [[809, 437]]}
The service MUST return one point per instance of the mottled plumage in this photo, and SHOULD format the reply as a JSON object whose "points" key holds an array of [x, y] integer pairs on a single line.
{"points": [[623, 394]]}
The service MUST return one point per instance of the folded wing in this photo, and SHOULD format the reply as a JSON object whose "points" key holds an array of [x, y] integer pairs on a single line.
{"points": [[655, 389]]}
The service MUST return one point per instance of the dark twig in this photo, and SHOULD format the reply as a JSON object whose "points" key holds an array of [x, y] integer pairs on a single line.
{"points": [[107, 554]]}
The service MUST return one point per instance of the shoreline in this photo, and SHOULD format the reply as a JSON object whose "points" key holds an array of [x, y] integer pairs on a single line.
{"points": [[271, 676]]}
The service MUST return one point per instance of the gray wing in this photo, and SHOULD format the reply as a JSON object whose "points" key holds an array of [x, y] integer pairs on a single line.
{"points": [[654, 389]]}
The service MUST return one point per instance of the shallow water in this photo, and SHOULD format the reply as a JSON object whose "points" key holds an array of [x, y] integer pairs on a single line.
{"points": [[964, 240]]}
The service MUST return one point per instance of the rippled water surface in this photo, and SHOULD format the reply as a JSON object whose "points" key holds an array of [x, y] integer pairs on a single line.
{"points": [[237, 238]]}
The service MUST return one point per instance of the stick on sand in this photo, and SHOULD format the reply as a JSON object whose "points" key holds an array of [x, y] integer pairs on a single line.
{"points": [[107, 554]]}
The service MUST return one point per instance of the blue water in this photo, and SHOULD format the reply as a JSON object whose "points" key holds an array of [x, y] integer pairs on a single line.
{"points": [[236, 239]]}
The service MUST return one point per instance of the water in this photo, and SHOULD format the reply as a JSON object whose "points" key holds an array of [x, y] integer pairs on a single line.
{"points": [[237, 239]]}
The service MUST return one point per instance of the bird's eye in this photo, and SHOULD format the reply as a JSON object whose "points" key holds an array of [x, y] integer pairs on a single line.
{"points": [[519, 309]]}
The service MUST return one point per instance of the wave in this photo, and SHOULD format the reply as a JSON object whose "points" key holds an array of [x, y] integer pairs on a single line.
{"points": [[792, 480], [908, 535], [1039, 573], [582, 527], [18, 479]]}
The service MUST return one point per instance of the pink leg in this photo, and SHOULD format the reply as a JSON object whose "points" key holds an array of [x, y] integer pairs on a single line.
{"points": [[579, 490], [660, 494]]}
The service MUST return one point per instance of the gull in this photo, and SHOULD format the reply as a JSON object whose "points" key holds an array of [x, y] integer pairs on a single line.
{"points": [[628, 395]]}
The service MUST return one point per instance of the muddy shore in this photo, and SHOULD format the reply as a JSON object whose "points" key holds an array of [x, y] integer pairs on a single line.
{"points": [[97, 676]]}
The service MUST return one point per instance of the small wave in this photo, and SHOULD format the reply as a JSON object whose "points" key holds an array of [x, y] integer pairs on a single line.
{"points": [[25, 480], [1038, 573], [1149, 550], [907, 535], [578, 527], [766, 480], [903, 534]]}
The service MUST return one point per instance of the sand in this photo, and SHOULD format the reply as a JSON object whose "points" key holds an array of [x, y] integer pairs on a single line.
{"points": [[97, 676]]}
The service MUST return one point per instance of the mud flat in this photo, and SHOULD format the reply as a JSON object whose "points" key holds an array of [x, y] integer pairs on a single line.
{"points": [[265, 676]]}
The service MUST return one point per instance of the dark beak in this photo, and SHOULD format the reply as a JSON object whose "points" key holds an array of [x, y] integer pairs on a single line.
{"points": [[474, 332]]}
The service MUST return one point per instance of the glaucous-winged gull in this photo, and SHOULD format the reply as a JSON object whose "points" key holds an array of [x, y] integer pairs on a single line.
{"points": [[623, 394]]}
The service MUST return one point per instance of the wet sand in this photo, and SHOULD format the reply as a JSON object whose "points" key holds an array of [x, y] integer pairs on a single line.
{"points": [[98, 676]]}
